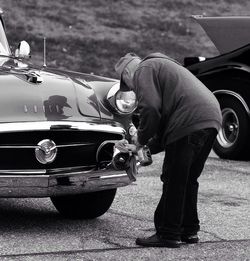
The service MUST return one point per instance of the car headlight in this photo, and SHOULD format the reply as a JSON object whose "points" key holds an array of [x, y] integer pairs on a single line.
{"points": [[126, 101], [123, 102]]}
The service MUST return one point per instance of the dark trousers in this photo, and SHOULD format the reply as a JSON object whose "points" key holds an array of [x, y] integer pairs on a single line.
{"points": [[176, 213]]}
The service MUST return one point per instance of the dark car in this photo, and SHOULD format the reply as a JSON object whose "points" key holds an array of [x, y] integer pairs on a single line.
{"points": [[228, 77], [58, 131]]}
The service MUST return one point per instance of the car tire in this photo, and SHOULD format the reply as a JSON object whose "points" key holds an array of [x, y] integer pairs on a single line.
{"points": [[84, 206], [232, 142]]}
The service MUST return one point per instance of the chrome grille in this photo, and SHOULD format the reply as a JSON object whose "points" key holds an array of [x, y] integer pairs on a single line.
{"points": [[75, 148]]}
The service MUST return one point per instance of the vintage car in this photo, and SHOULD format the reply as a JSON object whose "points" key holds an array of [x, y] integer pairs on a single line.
{"points": [[228, 77], [57, 134]]}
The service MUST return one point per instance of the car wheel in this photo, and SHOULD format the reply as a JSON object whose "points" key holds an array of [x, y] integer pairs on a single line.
{"points": [[84, 206], [232, 141]]}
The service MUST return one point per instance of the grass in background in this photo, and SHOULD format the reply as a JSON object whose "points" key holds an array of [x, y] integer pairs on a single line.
{"points": [[91, 35]]}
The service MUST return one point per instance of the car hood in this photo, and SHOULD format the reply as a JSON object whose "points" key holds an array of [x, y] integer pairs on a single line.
{"points": [[227, 33], [30, 94]]}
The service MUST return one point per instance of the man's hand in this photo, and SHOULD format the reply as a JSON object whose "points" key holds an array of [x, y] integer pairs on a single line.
{"points": [[121, 145], [135, 142], [131, 147], [124, 146]]}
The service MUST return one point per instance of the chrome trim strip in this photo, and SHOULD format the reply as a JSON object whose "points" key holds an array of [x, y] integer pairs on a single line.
{"points": [[25, 172], [237, 96], [82, 169], [102, 145], [37, 146], [114, 176], [77, 173], [60, 125]]}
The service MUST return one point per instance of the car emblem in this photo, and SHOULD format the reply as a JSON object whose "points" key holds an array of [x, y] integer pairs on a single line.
{"points": [[46, 151]]}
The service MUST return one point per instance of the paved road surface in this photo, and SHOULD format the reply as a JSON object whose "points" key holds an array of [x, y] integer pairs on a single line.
{"points": [[31, 229]]}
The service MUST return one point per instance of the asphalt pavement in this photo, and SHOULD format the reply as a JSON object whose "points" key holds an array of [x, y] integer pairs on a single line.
{"points": [[31, 229]]}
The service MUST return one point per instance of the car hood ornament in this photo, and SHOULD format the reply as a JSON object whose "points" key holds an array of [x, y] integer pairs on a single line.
{"points": [[46, 151]]}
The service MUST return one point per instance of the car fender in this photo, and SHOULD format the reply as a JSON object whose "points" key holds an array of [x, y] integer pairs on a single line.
{"points": [[231, 81], [226, 68], [219, 93]]}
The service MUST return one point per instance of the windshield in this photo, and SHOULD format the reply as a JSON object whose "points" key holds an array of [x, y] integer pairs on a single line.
{"points": [[4, 46]]}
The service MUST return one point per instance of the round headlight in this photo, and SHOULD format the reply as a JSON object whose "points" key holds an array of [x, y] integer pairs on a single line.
{"points": [[126, 101]]}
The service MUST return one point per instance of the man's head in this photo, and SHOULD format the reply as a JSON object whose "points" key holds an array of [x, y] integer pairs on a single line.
{"points": [[126, 68]]}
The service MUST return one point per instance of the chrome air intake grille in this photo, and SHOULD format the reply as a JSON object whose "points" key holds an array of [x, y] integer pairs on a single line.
{"points": [[74, 148]]}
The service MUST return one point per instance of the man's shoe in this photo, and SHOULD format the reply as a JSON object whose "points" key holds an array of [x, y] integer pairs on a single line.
{"points": [[157, 241], [191, 239]]}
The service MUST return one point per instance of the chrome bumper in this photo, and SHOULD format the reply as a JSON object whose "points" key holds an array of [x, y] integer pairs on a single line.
{"points": [[39, 184]]}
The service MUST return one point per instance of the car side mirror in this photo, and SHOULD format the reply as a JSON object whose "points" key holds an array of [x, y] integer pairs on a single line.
{"points": [[23, 50]]}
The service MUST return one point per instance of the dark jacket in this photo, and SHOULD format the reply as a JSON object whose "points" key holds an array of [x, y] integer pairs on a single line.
{"points": [[172, 102]]}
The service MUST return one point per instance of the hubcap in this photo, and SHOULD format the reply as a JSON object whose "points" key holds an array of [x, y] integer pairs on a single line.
{"points": [[229, 132]]}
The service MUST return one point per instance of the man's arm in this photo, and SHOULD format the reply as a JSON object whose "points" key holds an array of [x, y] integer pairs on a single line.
{"points": [[149, 102], [155, 145]]}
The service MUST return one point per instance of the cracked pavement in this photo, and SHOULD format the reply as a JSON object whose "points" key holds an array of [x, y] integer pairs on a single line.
{"points": [[31, 229]]}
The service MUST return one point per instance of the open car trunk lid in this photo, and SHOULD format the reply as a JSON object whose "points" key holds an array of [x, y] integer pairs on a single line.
{"points": [[227, 33]]}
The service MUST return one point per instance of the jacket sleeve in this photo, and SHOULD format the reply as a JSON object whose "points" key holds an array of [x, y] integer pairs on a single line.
{"points": [[155, 145], [149, 97]]}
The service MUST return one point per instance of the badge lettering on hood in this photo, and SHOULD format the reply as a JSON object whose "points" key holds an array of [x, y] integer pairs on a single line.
{"points": [[55, 104], [33, 108]]}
